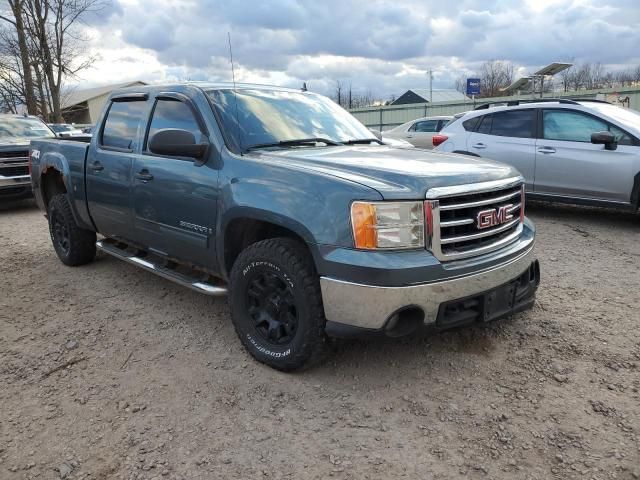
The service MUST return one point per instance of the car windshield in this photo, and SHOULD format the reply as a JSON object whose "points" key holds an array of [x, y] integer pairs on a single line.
{"points": [[625, 116], [22, 127], [272, 117]]}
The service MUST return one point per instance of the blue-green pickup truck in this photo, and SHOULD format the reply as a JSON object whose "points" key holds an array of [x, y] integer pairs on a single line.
{"points": [[285, 202]]}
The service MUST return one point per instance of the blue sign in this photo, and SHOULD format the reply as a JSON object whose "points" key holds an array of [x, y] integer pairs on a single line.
{"points": [[473, 86]]}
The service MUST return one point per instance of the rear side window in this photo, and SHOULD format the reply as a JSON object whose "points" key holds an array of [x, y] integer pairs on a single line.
{"points": [[425, 126], [514, 123], [485, 124], [121, 126], [471, 124], [174, 114]]}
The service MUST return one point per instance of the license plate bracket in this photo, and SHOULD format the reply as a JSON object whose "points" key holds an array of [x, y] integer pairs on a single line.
{"points": [[499, 301]]}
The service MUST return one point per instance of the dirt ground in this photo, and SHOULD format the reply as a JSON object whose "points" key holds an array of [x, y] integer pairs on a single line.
{"points": [[160, 386]]}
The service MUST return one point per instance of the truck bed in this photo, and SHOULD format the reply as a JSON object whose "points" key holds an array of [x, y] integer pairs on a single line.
{"points": [[69, 157]]}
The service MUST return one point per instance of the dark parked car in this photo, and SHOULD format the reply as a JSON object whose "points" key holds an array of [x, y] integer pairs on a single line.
{"points": [[16, 131]]}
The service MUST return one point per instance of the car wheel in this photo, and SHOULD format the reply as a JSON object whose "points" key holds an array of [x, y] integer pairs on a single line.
{"points": [[276, 304], [74, 245]]}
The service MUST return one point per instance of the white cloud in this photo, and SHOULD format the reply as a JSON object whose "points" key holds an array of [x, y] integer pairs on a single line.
{"points": [[382, 46]]}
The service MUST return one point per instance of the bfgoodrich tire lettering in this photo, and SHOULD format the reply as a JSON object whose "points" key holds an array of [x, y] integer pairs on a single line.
{"points": [[74, 245], [276, 304]]}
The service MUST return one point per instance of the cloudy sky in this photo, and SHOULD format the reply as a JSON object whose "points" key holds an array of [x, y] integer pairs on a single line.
{"points": [[377, 45]]}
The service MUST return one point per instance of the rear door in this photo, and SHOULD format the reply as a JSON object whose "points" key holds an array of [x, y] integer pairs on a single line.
{"points": [[175, 198], [568, 164], [509, 137], [421, 133], [109, 163]]}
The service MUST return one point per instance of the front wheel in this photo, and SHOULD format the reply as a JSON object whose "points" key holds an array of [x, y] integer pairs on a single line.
{"points": [[74, 245], [276, 304]]}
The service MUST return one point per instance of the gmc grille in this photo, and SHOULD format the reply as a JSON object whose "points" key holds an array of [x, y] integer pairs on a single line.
{"points": [[18, 155], [13, 171], [471, 220]]}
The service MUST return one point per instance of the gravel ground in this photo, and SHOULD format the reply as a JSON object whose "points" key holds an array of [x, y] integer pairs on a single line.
{"points": [[160, 387]]}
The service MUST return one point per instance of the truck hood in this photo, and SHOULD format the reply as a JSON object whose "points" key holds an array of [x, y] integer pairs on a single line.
{"points": [[396, 173]]}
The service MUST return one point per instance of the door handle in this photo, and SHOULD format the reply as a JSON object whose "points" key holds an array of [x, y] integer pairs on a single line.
{"points": [[97, 166], [546, 150], [479, 145], [144, 175], [409, 136]]}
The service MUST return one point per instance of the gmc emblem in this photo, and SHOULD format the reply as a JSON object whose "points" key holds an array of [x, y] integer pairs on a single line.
{"points": [[494, 216]]}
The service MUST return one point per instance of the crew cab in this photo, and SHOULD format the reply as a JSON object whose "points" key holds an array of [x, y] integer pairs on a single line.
{"points": [[283, 201], [16, 131]]}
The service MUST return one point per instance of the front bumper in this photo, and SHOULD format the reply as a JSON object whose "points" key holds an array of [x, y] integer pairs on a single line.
{"points": [[373, 308]]}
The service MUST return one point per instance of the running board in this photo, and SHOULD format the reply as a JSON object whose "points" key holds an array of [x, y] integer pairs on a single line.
{"points": [[112, 247]]}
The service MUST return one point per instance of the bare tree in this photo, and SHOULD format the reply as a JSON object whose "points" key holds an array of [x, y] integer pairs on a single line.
{"points": [[17, 20], [460, 84], [495, 75]]}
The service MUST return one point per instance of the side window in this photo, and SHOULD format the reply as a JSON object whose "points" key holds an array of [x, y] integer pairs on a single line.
{"points": [[485, 125], [121, 126], [174, 114], [513, 123], [426, 126], [570, 126], [471, 124]]}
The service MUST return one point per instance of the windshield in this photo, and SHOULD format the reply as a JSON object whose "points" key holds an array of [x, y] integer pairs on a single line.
{"points": [[271, 116], [22, 127], [625, 116], [58, 128]]}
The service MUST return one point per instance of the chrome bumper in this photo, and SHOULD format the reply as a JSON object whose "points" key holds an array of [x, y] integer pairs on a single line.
{"points": [[20, 181], [367, 306]]}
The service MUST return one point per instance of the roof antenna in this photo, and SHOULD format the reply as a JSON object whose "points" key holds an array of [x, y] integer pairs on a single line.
{"points": [[304, 86], [235, 95]]}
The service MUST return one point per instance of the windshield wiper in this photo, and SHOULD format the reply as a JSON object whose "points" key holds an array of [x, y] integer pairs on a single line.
{"points": [[358, 141], [293, 143]]}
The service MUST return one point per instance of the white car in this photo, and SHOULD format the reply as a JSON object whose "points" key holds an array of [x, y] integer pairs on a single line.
{"points": [[419, 132], [572, 151]]}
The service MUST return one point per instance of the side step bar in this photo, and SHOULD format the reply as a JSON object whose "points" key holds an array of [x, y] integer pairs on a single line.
{"points": [[112, 248]]}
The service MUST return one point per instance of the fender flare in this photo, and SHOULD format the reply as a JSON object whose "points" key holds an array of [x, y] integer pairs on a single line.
{"points": [[258, 214]]}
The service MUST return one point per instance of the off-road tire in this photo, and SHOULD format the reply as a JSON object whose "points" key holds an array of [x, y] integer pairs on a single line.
{"points": [[76, 246], [291, 262]]}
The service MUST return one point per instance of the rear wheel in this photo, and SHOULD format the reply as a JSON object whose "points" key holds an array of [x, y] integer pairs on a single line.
{"points": [[74, 245], [276, 304]]}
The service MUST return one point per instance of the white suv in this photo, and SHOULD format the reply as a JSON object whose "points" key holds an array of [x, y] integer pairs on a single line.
{"points": [[583, 151]]}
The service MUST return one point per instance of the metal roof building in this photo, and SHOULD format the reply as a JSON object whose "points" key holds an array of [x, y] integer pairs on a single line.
{"points": [[84, 106], [422, 95]]}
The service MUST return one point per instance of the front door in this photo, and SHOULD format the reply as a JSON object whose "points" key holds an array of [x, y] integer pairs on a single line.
{"points": [[568, 164], [175, 198], [108, 170]]}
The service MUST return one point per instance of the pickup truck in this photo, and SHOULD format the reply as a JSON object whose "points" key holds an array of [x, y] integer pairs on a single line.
{"points": [[283, 201], [16, 131]]}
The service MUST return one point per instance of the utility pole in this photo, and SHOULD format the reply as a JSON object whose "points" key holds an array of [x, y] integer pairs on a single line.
{"points": [[430, 86]]}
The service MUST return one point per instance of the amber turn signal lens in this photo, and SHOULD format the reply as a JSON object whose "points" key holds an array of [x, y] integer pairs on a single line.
{"points": [[363, 216]]}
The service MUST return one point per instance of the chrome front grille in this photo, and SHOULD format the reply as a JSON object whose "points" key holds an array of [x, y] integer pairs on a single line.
{"points": [[469, 220], [14, 164]]}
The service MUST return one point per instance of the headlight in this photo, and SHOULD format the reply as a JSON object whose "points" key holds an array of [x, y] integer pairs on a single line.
{"points": [[388, 225]]}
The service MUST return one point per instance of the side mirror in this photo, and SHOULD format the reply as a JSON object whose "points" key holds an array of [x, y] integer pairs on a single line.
{"points": [[177, 142], [604, 138]]}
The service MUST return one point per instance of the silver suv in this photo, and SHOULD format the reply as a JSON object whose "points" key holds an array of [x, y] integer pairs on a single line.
{"points": [[574, 151]]}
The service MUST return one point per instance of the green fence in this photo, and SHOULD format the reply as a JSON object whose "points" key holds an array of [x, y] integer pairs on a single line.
{"points": [[384, 118]]}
